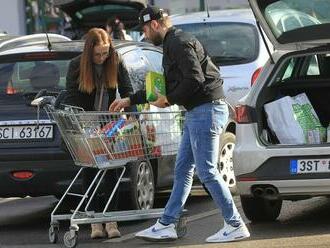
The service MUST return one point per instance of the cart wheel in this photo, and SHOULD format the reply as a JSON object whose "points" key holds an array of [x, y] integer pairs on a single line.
{"points": [[181, 227], [70, 239], [53, 234]]}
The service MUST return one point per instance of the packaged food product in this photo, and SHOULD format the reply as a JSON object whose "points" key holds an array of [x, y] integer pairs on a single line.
{"points": [[155, 83], [115, 128]]}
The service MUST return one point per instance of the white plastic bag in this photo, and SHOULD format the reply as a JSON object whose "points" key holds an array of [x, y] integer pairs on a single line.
{"points": [[281, 121], [308, 120], [294, 120], [162, 127], [168, 129]]}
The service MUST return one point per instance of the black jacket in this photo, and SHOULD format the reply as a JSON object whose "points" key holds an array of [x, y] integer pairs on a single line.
{"points": [[85, 100], [191, 77]]}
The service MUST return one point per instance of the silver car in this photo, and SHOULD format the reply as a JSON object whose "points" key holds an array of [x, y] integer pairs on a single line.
{"points": [[268, 168], [233, 41]]}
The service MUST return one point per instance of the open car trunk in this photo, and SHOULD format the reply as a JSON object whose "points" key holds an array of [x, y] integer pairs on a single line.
{"points": [[283, 112], [94, 13]]}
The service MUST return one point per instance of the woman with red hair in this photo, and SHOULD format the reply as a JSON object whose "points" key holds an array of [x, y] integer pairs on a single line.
{"points": [[92, 81]]}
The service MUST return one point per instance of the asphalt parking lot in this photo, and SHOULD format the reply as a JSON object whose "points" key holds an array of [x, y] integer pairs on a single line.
{"points": [[301, 224]]}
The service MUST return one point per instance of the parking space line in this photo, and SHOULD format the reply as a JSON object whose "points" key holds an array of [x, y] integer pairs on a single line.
{"points": [[189, 219]]}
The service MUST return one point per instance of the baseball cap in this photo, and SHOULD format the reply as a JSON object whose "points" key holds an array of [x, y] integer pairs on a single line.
{"points": [[151, 13]]}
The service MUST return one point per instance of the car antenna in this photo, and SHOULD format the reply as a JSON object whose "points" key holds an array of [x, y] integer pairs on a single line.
{"points": [[49, 45], [207, 8]]}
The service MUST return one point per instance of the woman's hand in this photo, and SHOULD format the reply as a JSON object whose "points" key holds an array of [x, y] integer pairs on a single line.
{"points": [[118, 104]]}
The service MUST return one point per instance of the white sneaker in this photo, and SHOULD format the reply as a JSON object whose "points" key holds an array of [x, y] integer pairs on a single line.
{"points": [[158, 232], [229, 233]]}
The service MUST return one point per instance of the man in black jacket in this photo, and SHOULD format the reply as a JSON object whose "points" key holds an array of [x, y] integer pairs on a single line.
{"points": [[193, 81]]}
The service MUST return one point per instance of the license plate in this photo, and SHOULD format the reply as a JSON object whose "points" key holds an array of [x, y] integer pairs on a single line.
{"points": [[26, 132], [306, 166]]}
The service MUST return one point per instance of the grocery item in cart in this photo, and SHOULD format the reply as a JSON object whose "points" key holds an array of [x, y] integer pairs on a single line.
{"points": [[80, 149], [123, 139], [116, 127], [155, 83], [132, 136]]}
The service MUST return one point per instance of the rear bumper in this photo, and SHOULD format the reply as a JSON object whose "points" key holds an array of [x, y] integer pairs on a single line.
{"points": [[289, 188], [50, 177], [53, 171]]}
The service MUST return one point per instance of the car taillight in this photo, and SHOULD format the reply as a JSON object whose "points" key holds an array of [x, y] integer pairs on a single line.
{"points": [[11, 90], [255, 75], [22, 174], [243, 114]]}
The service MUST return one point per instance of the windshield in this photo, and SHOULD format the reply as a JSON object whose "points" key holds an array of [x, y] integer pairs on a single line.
{"points": [[31, 76], [287, 15], [227, 43]]}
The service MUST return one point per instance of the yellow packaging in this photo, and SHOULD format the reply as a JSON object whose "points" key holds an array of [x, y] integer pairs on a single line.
{"points": [[155, 83]]}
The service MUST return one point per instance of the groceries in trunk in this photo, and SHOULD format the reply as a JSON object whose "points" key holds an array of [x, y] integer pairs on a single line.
{"points": [[293, 120]]}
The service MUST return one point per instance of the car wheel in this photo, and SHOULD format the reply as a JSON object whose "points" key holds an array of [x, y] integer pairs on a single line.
{"points": [[142, 190], [260, 209], [225, 161]]}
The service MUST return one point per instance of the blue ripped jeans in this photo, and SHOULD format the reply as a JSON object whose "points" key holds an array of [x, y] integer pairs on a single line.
{"points": [[199, 148]]}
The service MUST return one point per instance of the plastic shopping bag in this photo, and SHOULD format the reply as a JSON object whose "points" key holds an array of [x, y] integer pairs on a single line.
{"points": [[294, 120], [308, 120], [163, 129]]}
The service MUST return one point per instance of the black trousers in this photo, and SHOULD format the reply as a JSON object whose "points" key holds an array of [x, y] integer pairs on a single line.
{"points": [[104, 191]]}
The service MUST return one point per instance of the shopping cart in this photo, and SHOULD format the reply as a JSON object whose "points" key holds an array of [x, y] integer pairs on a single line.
{"points": [[107, 141]]}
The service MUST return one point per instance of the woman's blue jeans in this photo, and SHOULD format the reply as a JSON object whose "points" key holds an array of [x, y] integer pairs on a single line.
{"points": [[199, 149]]}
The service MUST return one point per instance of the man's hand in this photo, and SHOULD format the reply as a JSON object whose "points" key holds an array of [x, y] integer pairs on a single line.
{"points": [[118, 104], [161, 102]]}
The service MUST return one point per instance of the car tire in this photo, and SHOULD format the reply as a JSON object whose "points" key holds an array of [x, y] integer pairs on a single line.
{"points": [[142, 187], [225, 160], [260, 209]]}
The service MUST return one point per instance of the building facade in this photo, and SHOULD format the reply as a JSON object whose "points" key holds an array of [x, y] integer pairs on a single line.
{"points": [[12, 17]]}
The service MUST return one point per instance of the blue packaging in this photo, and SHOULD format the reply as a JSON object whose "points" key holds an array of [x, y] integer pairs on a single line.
{"points": [[119, 124], [101, 159]]}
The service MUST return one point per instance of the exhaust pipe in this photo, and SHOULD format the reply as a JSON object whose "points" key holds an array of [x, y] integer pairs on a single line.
{"points": [[266, 192], [271, 193], [258, 192]]}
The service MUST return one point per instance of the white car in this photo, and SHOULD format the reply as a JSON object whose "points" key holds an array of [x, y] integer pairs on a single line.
{"points": [[270, 166], [233, 40]]}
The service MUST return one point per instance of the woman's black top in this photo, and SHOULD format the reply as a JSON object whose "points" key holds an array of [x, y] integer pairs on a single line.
{"points": [[85, 100]]}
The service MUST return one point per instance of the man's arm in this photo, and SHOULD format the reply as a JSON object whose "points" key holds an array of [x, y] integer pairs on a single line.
{"points": [[192, 74]]}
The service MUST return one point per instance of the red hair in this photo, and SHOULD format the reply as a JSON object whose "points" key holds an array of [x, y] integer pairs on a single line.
{"points": [[97, 37]]}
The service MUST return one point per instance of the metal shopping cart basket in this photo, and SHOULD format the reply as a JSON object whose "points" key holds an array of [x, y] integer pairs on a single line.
{"points": [[106, 141]]}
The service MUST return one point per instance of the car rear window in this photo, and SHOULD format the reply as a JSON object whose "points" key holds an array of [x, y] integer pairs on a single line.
{"points": [[287, 15], [227, 43], [31, 76]]}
